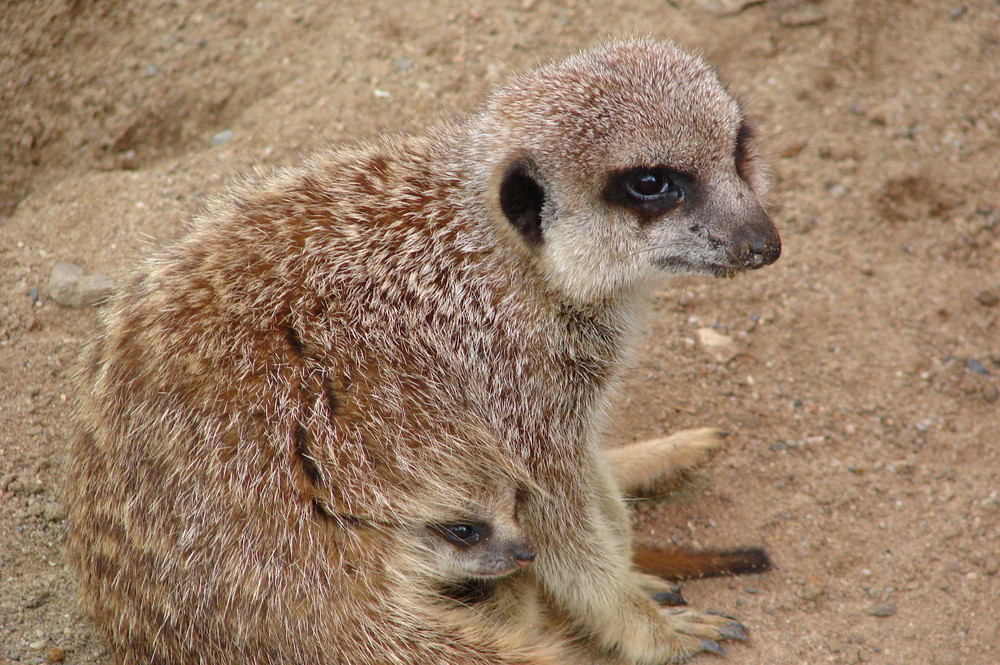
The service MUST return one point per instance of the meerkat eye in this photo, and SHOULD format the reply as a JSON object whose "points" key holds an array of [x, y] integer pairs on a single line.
{"points": [[648, 190], [651, 184], [459, 535]]}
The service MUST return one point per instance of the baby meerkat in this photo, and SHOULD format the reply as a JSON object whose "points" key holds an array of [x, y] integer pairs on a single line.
{"points": [[318, 343], [479, 550]]}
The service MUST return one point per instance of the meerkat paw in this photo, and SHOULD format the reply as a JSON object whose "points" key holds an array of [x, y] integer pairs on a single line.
{"points": [[660, 591], [658, 635], [696, 632], [644, 467]]}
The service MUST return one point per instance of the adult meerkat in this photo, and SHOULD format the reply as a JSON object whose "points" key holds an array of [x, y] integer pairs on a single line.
{"points": [[319, 341]]}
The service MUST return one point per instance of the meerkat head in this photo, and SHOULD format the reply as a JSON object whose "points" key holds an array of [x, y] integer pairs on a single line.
{"points": [[624, 163]]}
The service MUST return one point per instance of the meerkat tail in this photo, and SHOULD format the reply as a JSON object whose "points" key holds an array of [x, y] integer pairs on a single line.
{"points": [[680, 564]]}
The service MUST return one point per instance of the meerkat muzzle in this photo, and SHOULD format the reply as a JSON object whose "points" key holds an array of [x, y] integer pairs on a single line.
{"points": [[758, 243]]}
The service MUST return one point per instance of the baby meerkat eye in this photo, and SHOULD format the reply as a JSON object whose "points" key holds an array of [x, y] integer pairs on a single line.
{"points": [[459, 535], [648, 190]]}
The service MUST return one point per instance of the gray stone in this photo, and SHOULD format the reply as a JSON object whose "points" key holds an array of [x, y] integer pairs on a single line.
{"points": [[799, 15], [37, 600], [724, 7], [883, 610], [720, 347], [71, 287], [225, 136], [54, 512]]}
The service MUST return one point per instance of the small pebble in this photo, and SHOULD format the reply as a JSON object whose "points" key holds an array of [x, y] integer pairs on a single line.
{"points": [[70, 287], [225, 136], [791, 149], [811, 593], [721, 347], [990, 394], [55, 655], [37, 600], [988, 298], [883, 610], [23, 485], [957, 12], [976, 367], [54, 512], [724, 7], [802, 15]]}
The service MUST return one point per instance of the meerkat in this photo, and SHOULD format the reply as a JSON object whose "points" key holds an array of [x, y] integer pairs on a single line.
{"points": [[482, 541], [477, 544], [321, 341]]}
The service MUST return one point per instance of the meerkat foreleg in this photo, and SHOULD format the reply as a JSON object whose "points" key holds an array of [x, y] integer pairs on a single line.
{"points": [[586, 570]]}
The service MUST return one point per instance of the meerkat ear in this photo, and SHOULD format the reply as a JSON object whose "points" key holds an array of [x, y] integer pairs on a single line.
{"points": [[521, 199]]}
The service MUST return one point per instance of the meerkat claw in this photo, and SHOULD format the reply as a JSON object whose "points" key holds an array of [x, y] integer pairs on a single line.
{"points": [[669, 598], [733, 631], [726, 616]]}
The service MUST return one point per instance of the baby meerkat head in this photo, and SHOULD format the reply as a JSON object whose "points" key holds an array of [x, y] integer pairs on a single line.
{"points": [[623, 163], [485, 541]]}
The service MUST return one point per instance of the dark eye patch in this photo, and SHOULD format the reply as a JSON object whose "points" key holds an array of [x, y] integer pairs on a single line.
{"points": [[648, 190]]}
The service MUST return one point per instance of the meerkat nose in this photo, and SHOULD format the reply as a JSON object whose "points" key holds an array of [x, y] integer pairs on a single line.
{"points": [[758, 256], [760, 244]]}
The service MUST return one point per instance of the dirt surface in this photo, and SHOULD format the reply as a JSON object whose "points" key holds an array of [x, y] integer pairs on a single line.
{"points": [[861, 383]]}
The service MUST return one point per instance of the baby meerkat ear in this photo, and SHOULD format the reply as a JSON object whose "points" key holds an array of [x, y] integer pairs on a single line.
{"points": [[521, 199]]}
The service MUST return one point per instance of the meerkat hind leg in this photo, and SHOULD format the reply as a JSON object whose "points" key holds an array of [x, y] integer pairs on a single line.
{"points": [[701, 631], [643, 468]]}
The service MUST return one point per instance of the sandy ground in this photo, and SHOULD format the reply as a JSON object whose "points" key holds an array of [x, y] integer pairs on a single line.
{"points": [[861, 389]]}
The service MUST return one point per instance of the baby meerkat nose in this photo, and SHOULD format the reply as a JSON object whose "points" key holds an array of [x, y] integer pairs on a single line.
{"points": [[523, 556]]}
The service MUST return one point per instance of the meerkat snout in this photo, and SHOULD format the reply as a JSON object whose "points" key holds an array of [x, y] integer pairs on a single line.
{"points": [[757, 243]]}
